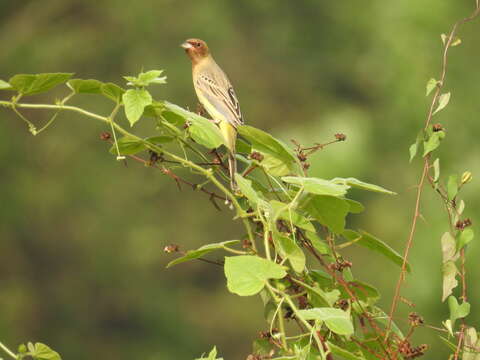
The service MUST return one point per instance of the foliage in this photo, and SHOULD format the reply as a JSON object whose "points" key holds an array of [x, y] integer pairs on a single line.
{"points": [[295, 224]]}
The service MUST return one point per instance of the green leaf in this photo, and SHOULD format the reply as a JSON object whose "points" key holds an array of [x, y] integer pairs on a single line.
{"points": [[41, 351], [450, 282], [130, 79], [262, 347], [345, 354], [202, 130], [128, 146], [260, 189], [323, 279], [154, 110], [382, 318], [362, 185], [452, 186], [288, 248], [336, 320], [159, 140], [113, 92], [431, 84], [413, 151], [317, 186], [436, 170], [152, 77], [242, 147], [211, 356], [371, 242], [465, 237], [275, 166], [365, 292], [22, 349], [206, 133], [146, 78], [328, 210], [443, 101], [319, 245], [282, 211], [416, 145], [320, 297], [301, 353], [433, 142], [246, 188], [81, 86], [203, 250], [5, 85], [457, 311], [348, 275], [278, 160], [135, 101], [247, 274], [30, 84], [355, 206], [269, 310], [172, 118]]}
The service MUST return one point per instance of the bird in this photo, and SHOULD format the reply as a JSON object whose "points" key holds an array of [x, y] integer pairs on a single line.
{"points": [[217, 96]]}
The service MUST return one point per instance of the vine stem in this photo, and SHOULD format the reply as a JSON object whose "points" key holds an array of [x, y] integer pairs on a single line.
{"points": [[187, 163], [111, 120], [439, 87], [8, 351], [281, 322], [413, 228], [312, 330]]}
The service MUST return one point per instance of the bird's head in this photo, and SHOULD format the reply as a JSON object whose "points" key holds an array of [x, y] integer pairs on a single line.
{"points": [[196, 49]]}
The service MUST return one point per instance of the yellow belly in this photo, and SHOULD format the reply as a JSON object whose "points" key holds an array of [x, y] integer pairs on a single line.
{"points": [[229, 134], [228, 131]]}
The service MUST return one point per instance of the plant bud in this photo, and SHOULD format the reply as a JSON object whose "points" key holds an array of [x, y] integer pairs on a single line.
{"points": [[466, 177]]}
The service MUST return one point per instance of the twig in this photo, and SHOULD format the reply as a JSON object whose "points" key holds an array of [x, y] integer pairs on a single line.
{"points": [[371, 351], [312, 149], [459, 344], [178, 179]]}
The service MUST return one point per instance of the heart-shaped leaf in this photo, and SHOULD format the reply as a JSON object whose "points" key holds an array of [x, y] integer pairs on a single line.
{"points": [[247, 274], [336, 320], [135, 101]]}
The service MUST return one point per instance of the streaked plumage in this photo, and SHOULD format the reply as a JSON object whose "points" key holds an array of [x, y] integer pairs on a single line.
{"points": [[216, 94]]}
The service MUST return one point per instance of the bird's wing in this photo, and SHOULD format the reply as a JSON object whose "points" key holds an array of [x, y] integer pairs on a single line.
{"points": [[221, 98]]}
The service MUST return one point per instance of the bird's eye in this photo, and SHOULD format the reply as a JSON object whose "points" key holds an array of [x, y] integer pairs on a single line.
{"points": [[197, 44]]}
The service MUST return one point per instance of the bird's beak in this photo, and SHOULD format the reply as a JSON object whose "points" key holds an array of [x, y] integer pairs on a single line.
{"points": [[186, 45]]}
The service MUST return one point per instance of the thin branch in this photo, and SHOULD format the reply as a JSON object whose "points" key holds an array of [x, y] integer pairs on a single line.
{"points": [[459, 343], [8, 351], [407, 250], [177, 178], [371, 351]]}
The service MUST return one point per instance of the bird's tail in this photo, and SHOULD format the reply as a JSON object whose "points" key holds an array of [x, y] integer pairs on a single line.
{"points": [[232, 168]]}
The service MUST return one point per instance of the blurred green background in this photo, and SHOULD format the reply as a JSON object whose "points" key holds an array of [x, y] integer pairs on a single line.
{"points": [[81, 236]]}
